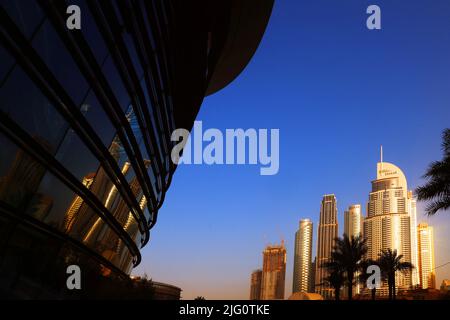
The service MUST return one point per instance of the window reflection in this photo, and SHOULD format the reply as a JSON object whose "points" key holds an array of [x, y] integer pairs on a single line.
{"points": [[32, 190]]}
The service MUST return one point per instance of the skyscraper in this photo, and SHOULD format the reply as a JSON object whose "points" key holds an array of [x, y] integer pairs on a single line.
{"points": [[274, 272], [312, 278], [389, 220], [353, 221], [352, 228], [327, 232], [426, 256], [302, 257], [412, 209], [255, 285]]}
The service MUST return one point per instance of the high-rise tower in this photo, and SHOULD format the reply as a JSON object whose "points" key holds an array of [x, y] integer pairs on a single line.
{"points": [[390, 216], [255, 285], [353, 221], [302, 257], [426, 256], [274, 272], [327, 232]]}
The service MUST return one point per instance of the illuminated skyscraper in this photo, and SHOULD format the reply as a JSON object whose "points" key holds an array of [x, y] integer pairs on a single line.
{"points": [[274, 272], [353, 221], [389, 220], [255, 285], [353, 228], [426, 256], [302, 257], [328, 231], [412, 209]]}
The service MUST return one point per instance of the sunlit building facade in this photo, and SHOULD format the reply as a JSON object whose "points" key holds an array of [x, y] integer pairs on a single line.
{"points": [[353, 221], [426, 264], [390, 219], [327, 231], [302, 257], [273, 273], [353, 226], [86, 118]]}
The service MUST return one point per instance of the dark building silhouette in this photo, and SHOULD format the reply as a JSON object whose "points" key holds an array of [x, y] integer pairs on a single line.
{"points": [[255, 285], [86, 118]]}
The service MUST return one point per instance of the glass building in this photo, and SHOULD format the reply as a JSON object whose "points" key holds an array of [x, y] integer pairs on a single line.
{"points": [[328, 230], [302, 276], [86, 118]]}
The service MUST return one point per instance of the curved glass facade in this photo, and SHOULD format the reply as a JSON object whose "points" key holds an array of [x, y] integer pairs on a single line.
{"points": [[86, 118]]}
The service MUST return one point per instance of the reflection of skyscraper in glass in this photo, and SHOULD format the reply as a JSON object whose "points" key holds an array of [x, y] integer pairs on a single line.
{"points": [[388, 221], [426, 256], [353, 221], [142, 86], [22, 180], [74, 208], [274, 272], [86, 221], [302, 257], [255, 285], [328, 231]]}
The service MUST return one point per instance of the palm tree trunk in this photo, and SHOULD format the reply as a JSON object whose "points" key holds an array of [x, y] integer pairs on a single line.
{"points": [[390, 280], [337, 294], [393, 286], [350, 288]]}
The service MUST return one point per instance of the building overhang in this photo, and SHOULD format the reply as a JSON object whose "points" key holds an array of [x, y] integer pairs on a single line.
{"points": [[248, 23]]}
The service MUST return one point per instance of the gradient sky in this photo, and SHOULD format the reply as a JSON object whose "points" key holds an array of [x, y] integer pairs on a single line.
{"points": [[336, 91]]}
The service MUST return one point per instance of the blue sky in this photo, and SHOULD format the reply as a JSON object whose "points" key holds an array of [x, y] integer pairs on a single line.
{"points": [[336, 91]]}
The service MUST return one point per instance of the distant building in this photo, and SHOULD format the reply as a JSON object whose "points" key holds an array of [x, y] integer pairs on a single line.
{"points": [[86, 120], [353, 221], [164, 291], [426, 256], [312, 278], [302, 257], [145, 289], [255, 285], [274, 272], [445, 286], [305, 296], [353, 228], [328, 231]]}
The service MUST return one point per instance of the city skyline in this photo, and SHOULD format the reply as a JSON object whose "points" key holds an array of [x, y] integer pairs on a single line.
{"points": [[390, 182], [351, 210], [336, 92]]}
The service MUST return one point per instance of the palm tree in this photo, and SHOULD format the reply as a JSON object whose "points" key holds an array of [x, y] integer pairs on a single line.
{"points": [[335, 278], [348, 253], [390, 263], [437, 188], [364, 276]]}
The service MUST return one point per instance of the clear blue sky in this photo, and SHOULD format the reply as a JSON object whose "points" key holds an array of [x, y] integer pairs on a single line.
{"points": [[336, 91]]}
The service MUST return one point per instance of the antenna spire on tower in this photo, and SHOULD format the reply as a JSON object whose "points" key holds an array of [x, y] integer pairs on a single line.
{"points": [[381, 153]]}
